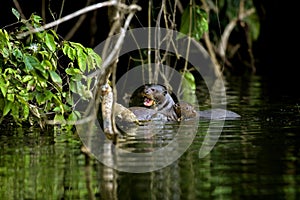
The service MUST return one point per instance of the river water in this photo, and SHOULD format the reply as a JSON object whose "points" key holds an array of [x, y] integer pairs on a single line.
{"points": [[255, 157]]}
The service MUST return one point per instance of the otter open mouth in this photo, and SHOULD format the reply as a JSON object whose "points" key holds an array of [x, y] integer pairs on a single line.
{"points": [[148, 102]]}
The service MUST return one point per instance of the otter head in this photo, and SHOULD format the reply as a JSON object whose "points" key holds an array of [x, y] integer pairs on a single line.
{"points": [[185, 110], [154, 94]]}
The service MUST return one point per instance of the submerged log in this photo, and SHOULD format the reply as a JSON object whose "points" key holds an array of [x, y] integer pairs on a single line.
{"points": [[110, 110], [106, 108]]}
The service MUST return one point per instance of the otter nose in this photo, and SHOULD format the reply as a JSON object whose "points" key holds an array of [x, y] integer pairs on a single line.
{"points": [[147, 90]]}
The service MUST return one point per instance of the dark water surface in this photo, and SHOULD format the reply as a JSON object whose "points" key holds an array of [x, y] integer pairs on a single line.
{"points": [[256, 157]]}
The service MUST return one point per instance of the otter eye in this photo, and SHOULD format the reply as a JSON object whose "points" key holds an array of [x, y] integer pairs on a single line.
{"points": [[153, 90]]}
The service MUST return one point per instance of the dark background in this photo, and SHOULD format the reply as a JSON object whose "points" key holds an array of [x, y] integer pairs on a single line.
{"points": [[275, 51]]}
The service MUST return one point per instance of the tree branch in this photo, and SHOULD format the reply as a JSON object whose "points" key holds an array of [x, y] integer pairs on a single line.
{"points": [[228, 29], [73, 15]]}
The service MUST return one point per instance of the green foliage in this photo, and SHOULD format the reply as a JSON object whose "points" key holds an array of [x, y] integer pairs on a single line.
{"points": [[34, 85], [228, 10], [188, 87], [254, 26], [197, 18]]}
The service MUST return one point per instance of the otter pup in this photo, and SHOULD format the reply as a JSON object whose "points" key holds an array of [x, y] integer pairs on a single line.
{"points": [[185, 110], [159, 104]]}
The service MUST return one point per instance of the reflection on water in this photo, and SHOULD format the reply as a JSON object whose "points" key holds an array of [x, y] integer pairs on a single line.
{"points": [[256, 157]]}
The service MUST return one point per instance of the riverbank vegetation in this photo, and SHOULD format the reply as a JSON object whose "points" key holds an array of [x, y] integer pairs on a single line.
{"points": [[41, 69], [39, 74]]}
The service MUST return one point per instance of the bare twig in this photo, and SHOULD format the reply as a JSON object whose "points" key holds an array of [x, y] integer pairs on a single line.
{"points": [[217, 68], [43, 10], [73, 15], [179, 6], [115, 20], [103, 74], [228, 29], [107, 112], [149, 40], [18, 7], [78, 24], [60, 12]]}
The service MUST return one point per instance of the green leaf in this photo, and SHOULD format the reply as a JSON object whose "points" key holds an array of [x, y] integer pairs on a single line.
{"points": [[16, 13], [42, 82], [18, 54], [72, 117], [34, 110], [96, 57], [27, 78], [69, 51], [66, 108], [54, 34], [5, 53], [188, 87], [15, 111], [47, 65], [69, 99], [189, 80], [35, 18], [40, 98], [77, 77], [48, 95], [11, 97], [81, 59], [73, 71], [77, 45], [3, 86], [197, 18], [55, 77], [7, 107], [25, 111], [57, 109], [50, 43], [59, 119], [31, 85], [31, 62], [3, 90], [254, 26], [73, 87]]}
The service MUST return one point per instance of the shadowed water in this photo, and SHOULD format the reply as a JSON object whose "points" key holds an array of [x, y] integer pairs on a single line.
{"points": [[255, 157]]}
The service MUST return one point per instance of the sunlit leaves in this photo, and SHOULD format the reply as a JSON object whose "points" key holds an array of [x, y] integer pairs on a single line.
{"points": [[34, 85], [35, 20], [86, 57], [69, 51], [49, 40], [188, 87], [82, 58], [7, 107], [31, 62], [16, 13], [3, 85], [189, 80], [17, 53], [75, 115], [193, 22], [55, 77]]}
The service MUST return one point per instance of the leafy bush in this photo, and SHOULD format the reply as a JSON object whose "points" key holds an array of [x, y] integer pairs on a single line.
{"points": [[35, 81]]}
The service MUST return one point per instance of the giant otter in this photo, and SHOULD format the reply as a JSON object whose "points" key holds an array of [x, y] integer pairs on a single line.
{"points": [[158, 104]]}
